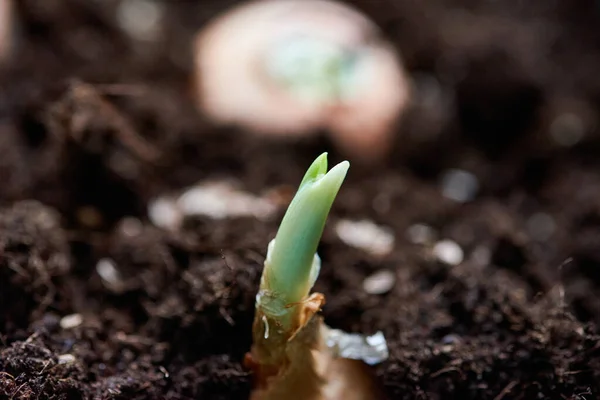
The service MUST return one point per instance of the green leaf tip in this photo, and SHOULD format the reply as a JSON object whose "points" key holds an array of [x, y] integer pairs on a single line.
{"points": [[292, 265], [316, 170]]}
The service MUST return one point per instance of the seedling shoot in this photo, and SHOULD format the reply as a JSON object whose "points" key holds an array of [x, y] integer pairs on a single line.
{"points": [[292, 354]]}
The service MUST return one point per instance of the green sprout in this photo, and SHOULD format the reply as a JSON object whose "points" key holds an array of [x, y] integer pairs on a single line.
{"points": [[292, 265], [294, 353]]}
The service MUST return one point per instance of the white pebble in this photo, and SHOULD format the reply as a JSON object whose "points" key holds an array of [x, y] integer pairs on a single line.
{"points": [[365, 235], [459, 185], [131, 226], [107, 270], [380, 282], [66, 359], [420, 234], [71, 321], [216, 199], [448, 252], [220, 200], [163, 212], [140, 18]]}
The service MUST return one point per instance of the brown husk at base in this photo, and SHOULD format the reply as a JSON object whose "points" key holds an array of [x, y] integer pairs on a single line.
{"points": [[306, 369]]}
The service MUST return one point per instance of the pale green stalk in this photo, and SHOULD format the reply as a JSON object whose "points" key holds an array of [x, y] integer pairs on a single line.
{"points": [[292, 264], [294, 354]]}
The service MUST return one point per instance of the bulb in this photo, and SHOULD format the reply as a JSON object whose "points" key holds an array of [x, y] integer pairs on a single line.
{"points": [[293, 67]]}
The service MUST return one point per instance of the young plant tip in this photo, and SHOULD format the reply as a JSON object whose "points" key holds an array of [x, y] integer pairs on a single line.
{"points": [[317, 169], [294, 354], [291, 260]]}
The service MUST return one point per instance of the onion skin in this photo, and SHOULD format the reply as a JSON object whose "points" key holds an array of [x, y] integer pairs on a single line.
{"points": [[303, 367]]}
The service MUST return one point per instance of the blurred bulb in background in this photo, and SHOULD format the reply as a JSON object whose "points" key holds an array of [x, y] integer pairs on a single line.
{"points": [[292, 67]]}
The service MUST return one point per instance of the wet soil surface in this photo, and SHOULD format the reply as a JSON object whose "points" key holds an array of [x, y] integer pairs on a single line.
{"points": [[94, 124]]}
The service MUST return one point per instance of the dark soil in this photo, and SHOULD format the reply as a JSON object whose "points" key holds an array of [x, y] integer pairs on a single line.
{"points": [[93, 125]]}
